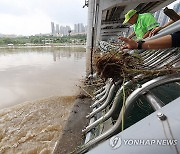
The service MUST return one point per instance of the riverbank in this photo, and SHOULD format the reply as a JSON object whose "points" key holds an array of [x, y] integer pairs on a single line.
{"points": [[72, 135], [43, 46]]}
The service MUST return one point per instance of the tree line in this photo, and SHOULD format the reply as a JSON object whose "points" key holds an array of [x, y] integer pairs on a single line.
{"points": [[42, 39]]}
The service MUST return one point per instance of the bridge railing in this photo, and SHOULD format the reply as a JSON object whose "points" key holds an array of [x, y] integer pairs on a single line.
{"points": [[109, 102]]}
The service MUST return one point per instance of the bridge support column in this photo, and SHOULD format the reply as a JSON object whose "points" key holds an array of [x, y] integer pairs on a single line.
{"points": [[90, 37]]}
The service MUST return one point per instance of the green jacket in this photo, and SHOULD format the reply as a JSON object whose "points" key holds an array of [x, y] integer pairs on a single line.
{"points": [[145, 22]]}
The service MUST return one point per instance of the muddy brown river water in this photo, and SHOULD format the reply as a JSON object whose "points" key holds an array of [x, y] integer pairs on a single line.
{"points": [[37, 91]]}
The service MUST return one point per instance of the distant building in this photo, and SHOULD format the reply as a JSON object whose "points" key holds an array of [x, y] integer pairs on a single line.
{"points": [[79, 28], [75, 28], [68, 28], [52, 29], [64, 30], [57, 29], [85, 29]]}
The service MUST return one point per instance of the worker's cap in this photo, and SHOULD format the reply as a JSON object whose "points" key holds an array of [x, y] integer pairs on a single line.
{"points": [[129, 15]]}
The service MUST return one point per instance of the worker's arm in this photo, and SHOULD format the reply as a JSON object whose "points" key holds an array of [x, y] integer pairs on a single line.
{"points": [[157, 29], [146, 34], [132, 35], [159, 43]]}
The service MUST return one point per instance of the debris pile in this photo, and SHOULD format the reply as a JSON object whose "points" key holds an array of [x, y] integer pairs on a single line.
{"points": [[120, 65]]}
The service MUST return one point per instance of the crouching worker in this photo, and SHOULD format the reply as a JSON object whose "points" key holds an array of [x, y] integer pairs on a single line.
{"points": [[142, 23]]}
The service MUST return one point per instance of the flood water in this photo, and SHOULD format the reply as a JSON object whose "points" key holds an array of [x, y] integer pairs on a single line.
{"points": [[32, 73], [37, 93]]}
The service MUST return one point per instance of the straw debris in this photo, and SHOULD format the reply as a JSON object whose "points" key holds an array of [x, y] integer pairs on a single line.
{"points": [[120, 65]]}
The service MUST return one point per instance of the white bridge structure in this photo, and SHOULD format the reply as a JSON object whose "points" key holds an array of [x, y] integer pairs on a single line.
{"points": [[151, 111]]}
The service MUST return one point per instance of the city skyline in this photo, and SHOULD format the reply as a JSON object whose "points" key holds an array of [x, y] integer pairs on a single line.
{"points": [[30, 17], [60, 30]]}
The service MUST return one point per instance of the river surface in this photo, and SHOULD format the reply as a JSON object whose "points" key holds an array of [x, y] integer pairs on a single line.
{"points": [[37, 92], [29, 74]]}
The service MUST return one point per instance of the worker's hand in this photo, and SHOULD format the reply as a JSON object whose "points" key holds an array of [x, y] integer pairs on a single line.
{"points": [[130, 44], [154, 31]]}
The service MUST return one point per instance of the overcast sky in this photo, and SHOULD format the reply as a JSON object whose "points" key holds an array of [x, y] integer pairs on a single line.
{"points": [[29, 17]]}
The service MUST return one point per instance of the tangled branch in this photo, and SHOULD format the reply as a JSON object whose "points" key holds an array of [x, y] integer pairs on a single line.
{"points": [[122, 65]]}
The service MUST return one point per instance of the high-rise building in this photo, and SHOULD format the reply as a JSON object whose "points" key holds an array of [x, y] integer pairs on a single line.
{"points": [[68, 28], [52, 28], [64, 30], [79, 28], [61, 30], [57, 29], [75, 28]]}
